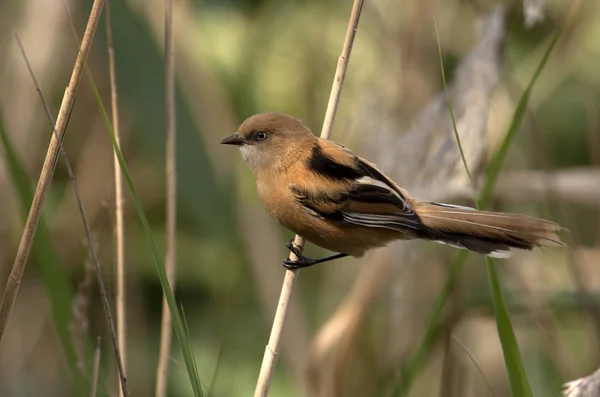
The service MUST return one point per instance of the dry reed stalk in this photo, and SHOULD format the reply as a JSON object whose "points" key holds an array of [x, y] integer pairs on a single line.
{"points": [[95, 368], [33, 218], [289, 282], [430, 171], [86, 225], [120, 297], [162, 370]]}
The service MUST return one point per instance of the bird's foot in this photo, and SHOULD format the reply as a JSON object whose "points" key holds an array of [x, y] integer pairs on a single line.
{"points": [[302, 261], [293, 248]]}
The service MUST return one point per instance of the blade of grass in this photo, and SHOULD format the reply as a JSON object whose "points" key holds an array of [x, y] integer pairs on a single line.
{"points": [[181, 334], [417, 361], [519, 384], [120, 292], [187, 332], [267, 367], [449, 104], [497, 160], [162, 369]]}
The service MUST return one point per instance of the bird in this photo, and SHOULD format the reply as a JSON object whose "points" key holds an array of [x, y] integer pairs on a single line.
{"points": [[323, 192]]}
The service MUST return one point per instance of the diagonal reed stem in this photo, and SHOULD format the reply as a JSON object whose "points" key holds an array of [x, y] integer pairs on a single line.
{"points": [[289, 282], [120, 293], [162, 370], [87, 229], [14, 280]]}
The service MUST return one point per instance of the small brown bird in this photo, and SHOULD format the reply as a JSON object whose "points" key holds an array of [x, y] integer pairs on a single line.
{"points": [[323, 192]]}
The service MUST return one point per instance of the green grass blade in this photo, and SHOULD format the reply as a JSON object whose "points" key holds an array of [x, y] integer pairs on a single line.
{"points": [[449, 104], [187, 332], [515, 369], [46, 259], [496, 162], [178, 325], [519, 384]]}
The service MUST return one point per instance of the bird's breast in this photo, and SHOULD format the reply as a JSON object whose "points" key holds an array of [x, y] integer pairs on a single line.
{"points": [[282, 205]]}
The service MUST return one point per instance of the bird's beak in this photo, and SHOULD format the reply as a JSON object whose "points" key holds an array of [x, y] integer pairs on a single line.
{"points": [[234, 139]]}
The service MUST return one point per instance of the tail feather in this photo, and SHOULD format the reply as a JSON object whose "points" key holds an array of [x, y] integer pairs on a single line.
{"points": [[485, 232]]}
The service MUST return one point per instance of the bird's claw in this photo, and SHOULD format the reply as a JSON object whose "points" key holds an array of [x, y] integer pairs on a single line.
{"points": [[302, 261], [293, 248], [290, 264]]}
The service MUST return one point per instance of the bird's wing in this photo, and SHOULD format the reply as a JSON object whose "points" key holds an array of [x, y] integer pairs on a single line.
{"points": [[351, 191]]}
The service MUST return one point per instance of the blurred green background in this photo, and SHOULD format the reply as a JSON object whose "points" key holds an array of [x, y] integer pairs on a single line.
{"points": [[354, 323]]}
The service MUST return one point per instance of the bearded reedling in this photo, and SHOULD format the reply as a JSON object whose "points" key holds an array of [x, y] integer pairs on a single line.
{"points": [[323, 192]]}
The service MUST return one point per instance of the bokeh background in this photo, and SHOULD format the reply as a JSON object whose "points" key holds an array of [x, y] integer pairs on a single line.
{"points": [[355, 324]]}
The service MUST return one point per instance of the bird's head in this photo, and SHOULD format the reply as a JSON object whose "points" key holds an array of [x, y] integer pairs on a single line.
{"points": [[268, 140]]}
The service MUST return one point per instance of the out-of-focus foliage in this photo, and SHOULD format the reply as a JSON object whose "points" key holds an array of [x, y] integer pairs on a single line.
{"points": [[236, 58]]}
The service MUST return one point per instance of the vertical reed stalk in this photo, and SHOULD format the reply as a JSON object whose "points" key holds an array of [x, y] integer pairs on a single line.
{"points": [[120, 297], [162, 369], [289, 282]]}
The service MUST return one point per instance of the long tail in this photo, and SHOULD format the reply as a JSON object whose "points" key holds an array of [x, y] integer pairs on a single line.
{"points": [[485, 232]]}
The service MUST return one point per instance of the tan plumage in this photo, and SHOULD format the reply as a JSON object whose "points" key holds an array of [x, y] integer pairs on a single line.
{"points": [[339, 201]]}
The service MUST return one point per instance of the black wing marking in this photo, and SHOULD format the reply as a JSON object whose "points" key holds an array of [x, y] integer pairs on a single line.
{"points": [[324, 165], [371, 201]]}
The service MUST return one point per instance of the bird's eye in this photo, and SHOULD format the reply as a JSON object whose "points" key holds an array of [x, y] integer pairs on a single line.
{"points": [[261, 136]]}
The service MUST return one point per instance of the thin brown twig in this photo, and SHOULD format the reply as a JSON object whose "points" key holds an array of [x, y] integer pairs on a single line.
{"points": [[120, 297], [477, 366], [95, 368], [162, 370], [289, 282], [14, 280], [86, 224]]}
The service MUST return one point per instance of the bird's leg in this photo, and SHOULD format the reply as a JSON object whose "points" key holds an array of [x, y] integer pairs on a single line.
{"points": [[304, 261]]}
